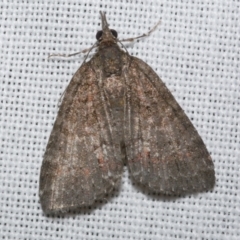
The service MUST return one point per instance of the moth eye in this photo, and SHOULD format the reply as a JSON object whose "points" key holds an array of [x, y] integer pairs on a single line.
{"points": [[114, 33], [99, 35]]}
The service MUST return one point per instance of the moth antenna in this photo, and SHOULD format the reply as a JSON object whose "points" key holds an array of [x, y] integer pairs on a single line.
{"points": [[120, 42], [88, 50], [143, 35]]}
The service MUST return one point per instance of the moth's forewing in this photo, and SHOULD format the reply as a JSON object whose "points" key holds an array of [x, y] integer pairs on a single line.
{"points": [[164, 150], [81, 163]]}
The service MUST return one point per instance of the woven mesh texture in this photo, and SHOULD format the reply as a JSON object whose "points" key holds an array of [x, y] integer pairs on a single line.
{"points": [[195, 51]]}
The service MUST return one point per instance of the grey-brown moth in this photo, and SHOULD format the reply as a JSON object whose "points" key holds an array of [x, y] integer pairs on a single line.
{"points": [[116, 110]]}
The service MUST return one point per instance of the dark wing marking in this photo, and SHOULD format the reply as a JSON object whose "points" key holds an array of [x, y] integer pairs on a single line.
{"points": [[80, 163], [164, 150]]}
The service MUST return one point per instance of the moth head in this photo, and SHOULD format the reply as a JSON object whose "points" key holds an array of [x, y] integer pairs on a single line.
{"points": [[106, 34], [100, 34]]}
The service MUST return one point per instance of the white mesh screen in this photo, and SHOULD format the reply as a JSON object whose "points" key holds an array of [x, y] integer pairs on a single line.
{"points": [[195, 51]]}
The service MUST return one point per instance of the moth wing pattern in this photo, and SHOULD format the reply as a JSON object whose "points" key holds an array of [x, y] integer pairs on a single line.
{"points": [[116, 110], [80, 163], [164, 151]]}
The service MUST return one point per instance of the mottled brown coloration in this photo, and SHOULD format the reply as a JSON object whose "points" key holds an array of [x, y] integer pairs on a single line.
{"points": [[117, 110]]}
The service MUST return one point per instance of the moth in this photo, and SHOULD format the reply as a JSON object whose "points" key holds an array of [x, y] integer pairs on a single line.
{"points": [[117, 111]]}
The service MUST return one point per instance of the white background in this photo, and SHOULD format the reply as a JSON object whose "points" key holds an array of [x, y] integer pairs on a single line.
{"points": [[195, 51]]}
